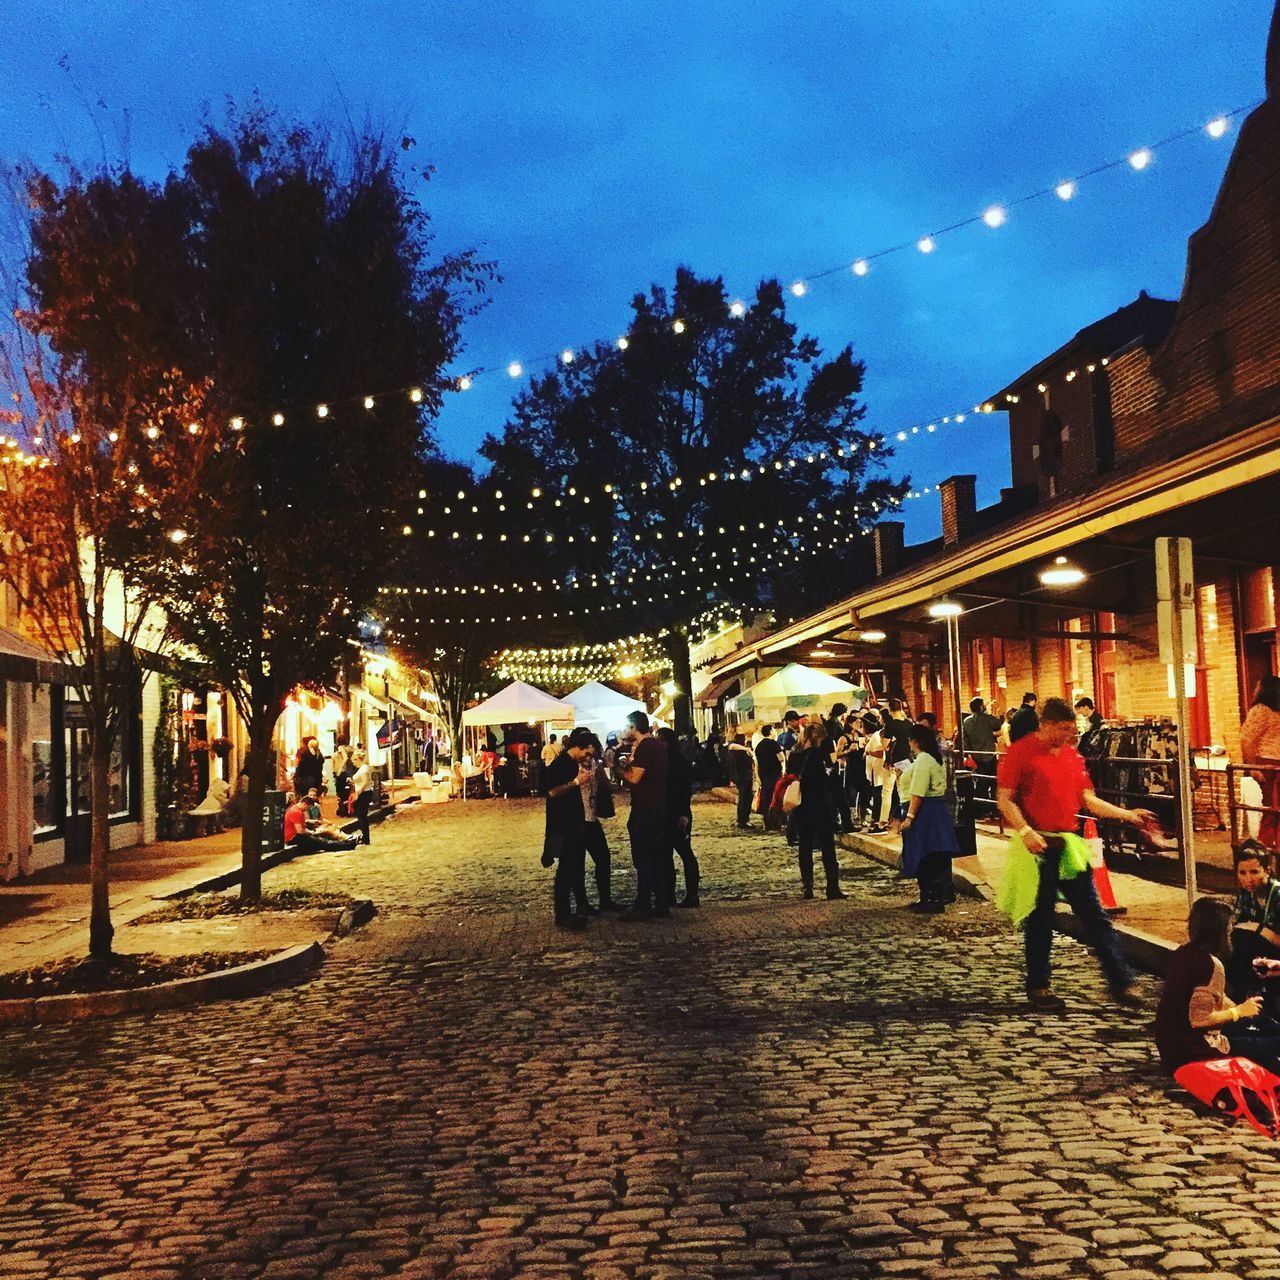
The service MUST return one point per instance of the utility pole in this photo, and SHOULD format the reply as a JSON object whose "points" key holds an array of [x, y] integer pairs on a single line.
{"points": [[1175, 605]]}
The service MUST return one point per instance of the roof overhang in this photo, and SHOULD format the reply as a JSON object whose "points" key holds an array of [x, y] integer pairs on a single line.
{"points": [[1215, 469]]}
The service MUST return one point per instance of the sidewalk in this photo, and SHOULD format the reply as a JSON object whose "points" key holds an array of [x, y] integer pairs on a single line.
{"points": [[45, 917]]}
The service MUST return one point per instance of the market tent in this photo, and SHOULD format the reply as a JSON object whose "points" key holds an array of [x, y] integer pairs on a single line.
{"points": [[601, 709], [794, 687], [520, 703]]}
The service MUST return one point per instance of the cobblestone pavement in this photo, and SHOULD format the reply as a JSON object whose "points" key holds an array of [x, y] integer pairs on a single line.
{"points": [[766, 1087]]}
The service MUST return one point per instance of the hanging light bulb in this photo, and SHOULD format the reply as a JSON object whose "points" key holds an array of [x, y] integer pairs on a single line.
{"points": [[322, 411], [737, 309], [515, 369], [277, 419], [678, 326], [1065, 190], [861, 267], [925, 244], [995, 216], [1140, 159], [152, 434], [416, 395], [567, 356], [1217, 127], [237, 424], [799, 289], [368, 402], [178, 536]]}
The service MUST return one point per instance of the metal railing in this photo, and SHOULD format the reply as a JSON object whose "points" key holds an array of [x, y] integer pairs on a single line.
{"points": [[1253, 803]]}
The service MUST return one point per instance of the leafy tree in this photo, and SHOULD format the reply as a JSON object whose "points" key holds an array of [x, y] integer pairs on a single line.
{"points": [[95, 484], [302, 280], [703, 387]]}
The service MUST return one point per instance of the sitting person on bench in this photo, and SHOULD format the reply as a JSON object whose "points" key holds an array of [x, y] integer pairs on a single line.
{"points": [[299, 835]]}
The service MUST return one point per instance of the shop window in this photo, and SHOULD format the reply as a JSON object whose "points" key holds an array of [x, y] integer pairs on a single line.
{"points": [[45, 793]]}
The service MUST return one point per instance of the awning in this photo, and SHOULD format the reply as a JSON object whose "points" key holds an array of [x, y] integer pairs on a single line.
{"points": [[22, 660], [716, 690]]}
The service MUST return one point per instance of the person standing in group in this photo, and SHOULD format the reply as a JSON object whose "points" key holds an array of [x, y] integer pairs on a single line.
{"points": [[550, 750], [1260, 745], [742, 773], [978, 741], [815, 818], [768, 767], [1025, 720], [790, 735], [342, 771], [1090, 714], [928, 834], [680, 822], [597, 803], [361, 793], [851, 758], [880, 773], [647, 825], [565, 840], [1042, 786], [897, 729], [309, 769]]}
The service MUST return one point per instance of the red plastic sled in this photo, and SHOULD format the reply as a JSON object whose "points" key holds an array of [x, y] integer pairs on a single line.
{"points": [[1236, 1087]]}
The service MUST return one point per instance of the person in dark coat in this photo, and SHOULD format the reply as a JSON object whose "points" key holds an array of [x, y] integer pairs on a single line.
{"points": [[680, 821], [564, 843], [742, 774], [1025, 720], [816, 818], [309, 770], [769, 766]]}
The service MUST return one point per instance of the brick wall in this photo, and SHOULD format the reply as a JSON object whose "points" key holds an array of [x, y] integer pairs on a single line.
{"points": [[1219, 369]]}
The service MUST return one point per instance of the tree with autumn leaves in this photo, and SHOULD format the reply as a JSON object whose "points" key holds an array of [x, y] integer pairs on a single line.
{"points": [[289, 275]]}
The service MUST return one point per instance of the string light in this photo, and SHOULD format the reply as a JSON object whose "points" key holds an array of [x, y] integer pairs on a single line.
{"points": [[996, 215]]}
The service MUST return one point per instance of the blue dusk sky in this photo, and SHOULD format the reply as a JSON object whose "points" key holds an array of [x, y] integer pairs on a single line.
{"points": [[591, 149]]}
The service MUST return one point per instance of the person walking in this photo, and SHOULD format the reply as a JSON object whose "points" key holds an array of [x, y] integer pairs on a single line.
{"points": [[564, 842], [361, 793], [1042, 786], [1260, 745], [680, 822], [597, 803], [647, 825], [768, 767], [815, 818], [928, 834], [742, 774]]}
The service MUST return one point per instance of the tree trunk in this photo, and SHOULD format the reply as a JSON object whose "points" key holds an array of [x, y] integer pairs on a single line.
{"points": [[676, 643], [257, 761], [100, 929]]}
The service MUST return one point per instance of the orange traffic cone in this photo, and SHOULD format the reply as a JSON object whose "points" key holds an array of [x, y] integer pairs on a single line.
{"points": [[1101, 876]]}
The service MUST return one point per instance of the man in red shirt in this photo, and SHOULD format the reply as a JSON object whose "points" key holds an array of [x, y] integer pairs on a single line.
{"points": [[1042, 787], [297, 834]]}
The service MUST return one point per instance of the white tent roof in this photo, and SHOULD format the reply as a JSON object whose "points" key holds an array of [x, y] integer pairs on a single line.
{"points": [[597, 704], [796, 685], [519, 702]]}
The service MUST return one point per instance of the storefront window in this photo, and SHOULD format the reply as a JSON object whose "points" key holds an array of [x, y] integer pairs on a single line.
{"points": [[118, 778], [43, 792]]}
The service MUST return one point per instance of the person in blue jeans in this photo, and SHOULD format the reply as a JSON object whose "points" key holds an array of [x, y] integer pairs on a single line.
{"points": [[1042, 787]]}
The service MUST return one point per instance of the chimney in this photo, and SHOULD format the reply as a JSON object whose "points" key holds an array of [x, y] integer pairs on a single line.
{"points": [[888, 540], [959, 507]]}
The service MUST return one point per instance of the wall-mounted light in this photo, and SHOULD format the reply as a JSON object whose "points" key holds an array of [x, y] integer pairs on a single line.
{"points": [[873, 637], [945, 609]]}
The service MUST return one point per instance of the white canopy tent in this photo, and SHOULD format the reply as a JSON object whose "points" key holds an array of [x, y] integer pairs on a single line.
{"points": [[794, 687], [518, 703], [601, 709]]}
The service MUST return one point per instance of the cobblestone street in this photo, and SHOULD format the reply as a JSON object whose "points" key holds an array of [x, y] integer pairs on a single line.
{"points": [[765, 1087]]}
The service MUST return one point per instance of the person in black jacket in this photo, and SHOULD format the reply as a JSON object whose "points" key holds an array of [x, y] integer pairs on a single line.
{"points": [[742, 774], [564, 843], [309, 770], [815, 818], [680, 821]]}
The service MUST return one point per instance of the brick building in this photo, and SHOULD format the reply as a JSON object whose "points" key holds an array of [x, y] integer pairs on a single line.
{"points": [[1162, 418]]}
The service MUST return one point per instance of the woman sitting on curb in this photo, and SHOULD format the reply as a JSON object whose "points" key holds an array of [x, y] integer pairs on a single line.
{"points": [[1195, 1021]]}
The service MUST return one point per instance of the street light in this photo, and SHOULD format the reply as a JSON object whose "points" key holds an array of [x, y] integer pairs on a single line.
{"points": [[873, 637]]}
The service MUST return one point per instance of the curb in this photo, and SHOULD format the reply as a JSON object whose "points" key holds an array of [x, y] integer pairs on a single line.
{"points": [[244, 980], [1144, 950]]}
